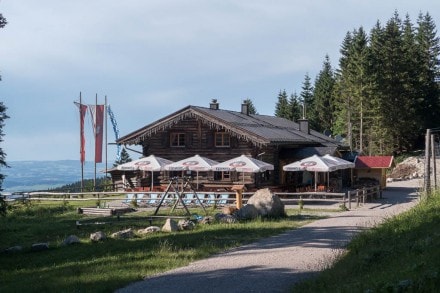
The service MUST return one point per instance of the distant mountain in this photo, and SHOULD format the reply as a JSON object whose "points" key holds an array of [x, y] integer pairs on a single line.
{"points": [[43, 175]]}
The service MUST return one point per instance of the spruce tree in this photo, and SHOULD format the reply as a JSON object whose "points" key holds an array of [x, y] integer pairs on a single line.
{"points": [[429, 51], [251, 106], [282, 106], [295, 107], [323, 97], [306, 97], [125, 158], [3, 117]]}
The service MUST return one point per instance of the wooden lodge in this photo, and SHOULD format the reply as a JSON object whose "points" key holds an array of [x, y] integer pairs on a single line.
{"points": [[221, 135]]}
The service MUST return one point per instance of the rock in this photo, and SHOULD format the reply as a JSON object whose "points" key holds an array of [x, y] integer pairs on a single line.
{"points": [[98, 236], [229, 210], [170, 226], [267, 204], [124, 234], [40, 246], [185, 225], [13, 249], [151, 229], [247, 212], [229, 219], [71, 239], [206, 220], [389, 180]]}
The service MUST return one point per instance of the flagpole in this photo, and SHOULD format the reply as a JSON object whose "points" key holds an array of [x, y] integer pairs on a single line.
{"points": [[96, 108], [106, 143], [80, 141]]}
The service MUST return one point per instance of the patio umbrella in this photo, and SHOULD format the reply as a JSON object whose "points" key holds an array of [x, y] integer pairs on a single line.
{"points": [[316, 164], [243, 164], [195, 163], [341, 163], [150, 163]]}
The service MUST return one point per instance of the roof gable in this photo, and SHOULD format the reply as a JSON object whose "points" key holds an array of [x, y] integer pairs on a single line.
{"points": [[373, 162], [258, 129]]}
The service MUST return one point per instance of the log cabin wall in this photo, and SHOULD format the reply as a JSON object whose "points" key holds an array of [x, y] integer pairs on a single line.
{"points": [[199, 139]]}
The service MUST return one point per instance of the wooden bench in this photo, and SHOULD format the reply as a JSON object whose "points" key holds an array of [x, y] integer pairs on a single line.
{"points": [[101, 213], [104, 212]]}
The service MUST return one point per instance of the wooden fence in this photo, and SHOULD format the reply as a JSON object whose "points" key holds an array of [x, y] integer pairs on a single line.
{"points": [[358, 196]]}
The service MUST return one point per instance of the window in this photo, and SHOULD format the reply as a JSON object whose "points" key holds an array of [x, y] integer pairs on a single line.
{"points": [[222, 139], [177, 139]]}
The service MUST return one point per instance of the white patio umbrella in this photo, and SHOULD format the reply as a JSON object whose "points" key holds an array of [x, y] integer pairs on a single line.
{"points": [[316, 164], [150, 163], [341, 163], [195, 163], [243, 164]]}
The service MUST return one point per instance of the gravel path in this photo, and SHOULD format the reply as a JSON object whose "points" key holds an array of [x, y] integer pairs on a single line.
{"points": [[274, 264]]}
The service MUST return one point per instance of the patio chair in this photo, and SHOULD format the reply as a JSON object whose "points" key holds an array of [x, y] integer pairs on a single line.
{"points": [[188, 198], [128, 199], [153, 200], [210, 199], [223, 199]]}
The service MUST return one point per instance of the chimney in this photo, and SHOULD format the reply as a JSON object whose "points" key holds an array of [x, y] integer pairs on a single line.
{"points": [[244, 108], [214, 104], [304, 125]]}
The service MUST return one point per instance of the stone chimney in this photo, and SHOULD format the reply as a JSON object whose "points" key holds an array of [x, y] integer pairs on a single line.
{"points": [[244, 108], [304, 125], [214, 105]]}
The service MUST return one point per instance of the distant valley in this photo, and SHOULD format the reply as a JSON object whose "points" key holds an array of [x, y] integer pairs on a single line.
{"points": [[43, 175]]}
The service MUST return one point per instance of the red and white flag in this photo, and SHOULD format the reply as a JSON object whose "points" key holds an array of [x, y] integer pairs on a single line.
{"points": [[82, 115], [97, 115]]}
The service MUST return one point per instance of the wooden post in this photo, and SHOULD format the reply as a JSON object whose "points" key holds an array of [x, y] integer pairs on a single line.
{"points": [[434, 163], [238, 195], [349, 199], [427, 177]]}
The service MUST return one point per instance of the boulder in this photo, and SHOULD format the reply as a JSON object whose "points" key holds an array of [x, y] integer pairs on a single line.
{"points": [[13, 249], [229, 219], [185, 225], [98, 236], [40, 246], [206, 220], [124, 234], [247, 212], [267, 204], [148, 230], [71, 239], [170, 226]]}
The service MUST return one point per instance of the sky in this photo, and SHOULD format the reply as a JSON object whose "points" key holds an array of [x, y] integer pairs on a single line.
{"points": [[152, 58]]}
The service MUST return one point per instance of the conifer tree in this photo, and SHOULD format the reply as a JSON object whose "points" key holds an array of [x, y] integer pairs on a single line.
{"points": [[251, 107], [125, 158], [3, 117], [323, 97], [282, 106], [295, 107], [429, 51], [306, 97]]}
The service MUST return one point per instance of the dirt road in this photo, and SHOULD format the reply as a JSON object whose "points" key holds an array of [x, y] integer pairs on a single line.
{"points": [[276, 263]]}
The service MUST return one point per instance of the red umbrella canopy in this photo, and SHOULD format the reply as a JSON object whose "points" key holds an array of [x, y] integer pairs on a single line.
{"points": [[194, 163], [243, 164]]}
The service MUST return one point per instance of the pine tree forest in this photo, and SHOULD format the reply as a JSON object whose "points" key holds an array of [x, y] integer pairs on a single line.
{"points": [[385, 92]]}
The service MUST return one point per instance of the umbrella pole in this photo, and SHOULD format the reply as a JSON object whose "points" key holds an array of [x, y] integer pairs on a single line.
{"points": [[316, 179], [152, 183]]}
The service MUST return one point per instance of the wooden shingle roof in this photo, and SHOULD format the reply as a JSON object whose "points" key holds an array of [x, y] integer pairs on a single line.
{"points": [[258, 129]]}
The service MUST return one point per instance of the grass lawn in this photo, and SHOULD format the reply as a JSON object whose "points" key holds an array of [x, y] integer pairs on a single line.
{"points": [[401, 255], [111, 264]]}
